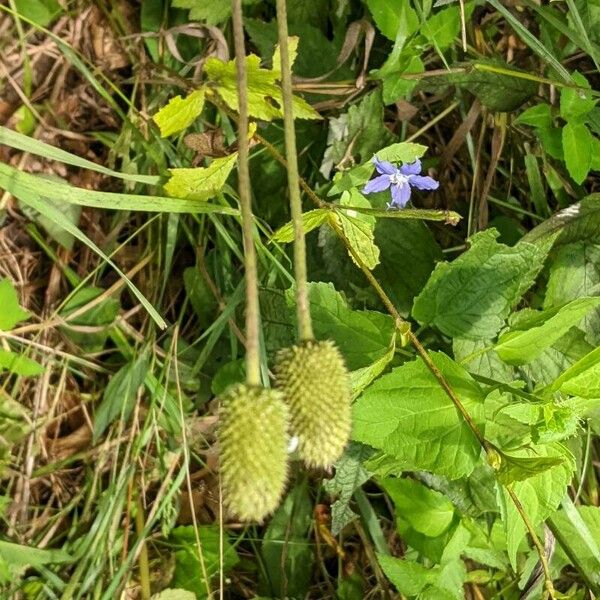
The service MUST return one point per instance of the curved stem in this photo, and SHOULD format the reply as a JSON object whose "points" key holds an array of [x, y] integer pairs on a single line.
{"points": [[305, 331], [252, 307]]}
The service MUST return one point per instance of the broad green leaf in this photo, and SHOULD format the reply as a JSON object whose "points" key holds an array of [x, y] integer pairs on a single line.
{"points": [[582, 379], [350, 474], [394, 19], [361, 378], [362, 336], [286, 549], [409, 577], [495, 84], [310, 220], [118, 399], [100, 317], [361, 238], [520, 468], [577, 146], [11, 312], [579, 529], [188, 574], [264, 93], [408, 255], [576, 103], [179, 113], [24, 186], [41, 12], [427, 511], [427, 583], [479, 358], [407, 414], [579, 222], [393, 74], [23, 556], [539, 115], [211, 12], [575, 272], [473, 295], [540, 496], [200, 183], [19, 364], [540, 330], [28, 144], [443, 27]]}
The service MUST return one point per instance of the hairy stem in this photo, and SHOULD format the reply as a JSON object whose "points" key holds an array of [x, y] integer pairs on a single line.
{"points": [[305, 331], [252, 308]]}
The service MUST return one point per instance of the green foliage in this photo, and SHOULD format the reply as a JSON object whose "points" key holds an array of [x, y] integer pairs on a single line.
{"points": [[472, 296], [12, 313], [407, 415], [179, 113]]}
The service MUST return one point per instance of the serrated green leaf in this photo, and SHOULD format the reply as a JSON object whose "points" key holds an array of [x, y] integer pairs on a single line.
{"points": [[539, 495], [362, 336], [361, 238], [264, 94], [539, 116], [519, 468], [576, 103], [174, 594], [350, 474], [310, 220], [427, 511], [473, 295], [409, 577], [179, 113], [540, 330], [443, 27], [408, 415], [188, 574], [211, 12], [577, 146], [11, 312], [574, 273], [19, 364], [394, 19], [200, 183], [582, 379], [360, 379]]}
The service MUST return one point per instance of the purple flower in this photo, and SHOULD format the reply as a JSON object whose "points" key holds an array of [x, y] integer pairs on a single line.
{"points": [[399, 181]]}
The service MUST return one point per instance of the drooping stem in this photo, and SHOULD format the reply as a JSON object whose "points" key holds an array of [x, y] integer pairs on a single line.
{"points": [[305, 331], [252, 308]]}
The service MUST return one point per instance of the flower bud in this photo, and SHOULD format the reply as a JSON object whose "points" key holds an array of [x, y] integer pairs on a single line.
{"points": [[253, 441], [316, 386]]}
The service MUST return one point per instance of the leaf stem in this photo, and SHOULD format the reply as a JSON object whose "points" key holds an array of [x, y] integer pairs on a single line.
{"points": [[252, 307], [305, 331]]}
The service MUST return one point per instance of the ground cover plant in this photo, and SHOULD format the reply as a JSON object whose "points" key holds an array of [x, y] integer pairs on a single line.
{"points": [[299, 299]]}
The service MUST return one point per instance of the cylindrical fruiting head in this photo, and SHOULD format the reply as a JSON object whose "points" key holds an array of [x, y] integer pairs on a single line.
{"points": [[253, 441], [316, 386]]}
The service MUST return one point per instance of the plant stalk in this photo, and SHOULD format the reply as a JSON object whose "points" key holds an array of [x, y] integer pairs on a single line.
{"points": [[305, 331], [250, 266]]}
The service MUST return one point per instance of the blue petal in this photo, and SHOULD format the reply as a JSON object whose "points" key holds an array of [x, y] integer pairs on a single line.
{"points": [[400, 195], [384, 167], [380, 183], [411, 169], [423, 182]]}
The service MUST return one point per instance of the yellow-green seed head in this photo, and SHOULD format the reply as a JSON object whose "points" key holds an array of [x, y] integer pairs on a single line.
{"points": [[253, 440], [316, 385]]}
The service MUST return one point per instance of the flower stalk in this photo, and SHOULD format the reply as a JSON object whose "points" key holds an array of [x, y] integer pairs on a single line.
{"points": [[305, 331]]}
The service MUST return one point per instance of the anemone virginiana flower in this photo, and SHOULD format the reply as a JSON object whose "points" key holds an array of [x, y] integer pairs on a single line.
{"points": [[399, 181]]}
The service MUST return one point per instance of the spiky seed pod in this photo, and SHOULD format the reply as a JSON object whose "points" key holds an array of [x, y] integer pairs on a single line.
{"points": [[253, 439], [316, 385]]}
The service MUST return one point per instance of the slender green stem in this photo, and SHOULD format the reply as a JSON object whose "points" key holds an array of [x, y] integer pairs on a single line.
{"points": [[252, 308], [143, 558], [305, 331]]}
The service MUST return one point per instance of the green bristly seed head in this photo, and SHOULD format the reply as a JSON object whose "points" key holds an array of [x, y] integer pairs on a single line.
{"points": [[316, 385], [253, 441]]}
